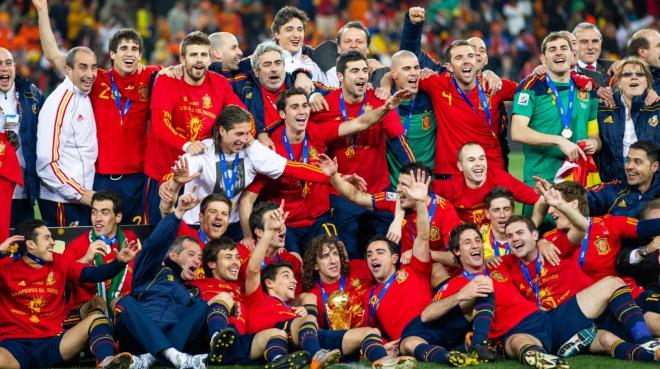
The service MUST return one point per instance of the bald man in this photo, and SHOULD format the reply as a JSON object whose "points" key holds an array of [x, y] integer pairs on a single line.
{"points": [[20, 103], [645, 44], [480, 52], [226, 55]]}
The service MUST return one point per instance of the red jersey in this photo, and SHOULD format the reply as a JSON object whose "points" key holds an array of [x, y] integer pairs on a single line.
{"points": [[304, 201], [183, 113], [32, 299], [363, 153], [604, 243], [459, 124], [271, 114], [443, 221], [83, 292], [469, 202], [510, 306], [265, 311], [407, 296], [282, 255], [556, 284], [121, 138], [210, 287], [357, 284]]}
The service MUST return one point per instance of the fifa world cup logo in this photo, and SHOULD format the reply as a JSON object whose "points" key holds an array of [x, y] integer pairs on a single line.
{"points": [[195, 125]]}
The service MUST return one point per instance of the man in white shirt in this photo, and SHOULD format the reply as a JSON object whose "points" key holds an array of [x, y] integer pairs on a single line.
{"points": [[67, 145]]}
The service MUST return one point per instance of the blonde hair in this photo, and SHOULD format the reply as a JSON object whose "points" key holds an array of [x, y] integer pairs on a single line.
{"points": [[633, 60]]}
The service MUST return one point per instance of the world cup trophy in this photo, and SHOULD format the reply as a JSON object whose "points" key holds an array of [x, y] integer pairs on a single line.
{"points": [[339, 309]]}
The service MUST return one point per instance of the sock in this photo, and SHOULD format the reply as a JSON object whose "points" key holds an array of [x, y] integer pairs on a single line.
{"points": [[484, 310], [629, 314], [218, 318], [171, 355], [101, 343], [372, 347], [308, 338], [630, 351], [148, 358], [275, 347], [305, 172], [430, 353], [526, 348], [312, 309]]}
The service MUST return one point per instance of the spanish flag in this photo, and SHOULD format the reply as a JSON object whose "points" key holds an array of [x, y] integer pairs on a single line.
{"points": [[584, 172]]}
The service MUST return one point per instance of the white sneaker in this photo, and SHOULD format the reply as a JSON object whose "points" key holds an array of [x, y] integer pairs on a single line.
{"points": [[185, 361], [144, 361]]}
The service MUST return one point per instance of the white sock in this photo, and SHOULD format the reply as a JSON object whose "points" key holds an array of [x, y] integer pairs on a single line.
{"points": [[171, 355]]}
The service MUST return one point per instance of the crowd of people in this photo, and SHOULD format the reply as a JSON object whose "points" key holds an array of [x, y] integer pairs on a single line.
{"points": [[311, 206]]}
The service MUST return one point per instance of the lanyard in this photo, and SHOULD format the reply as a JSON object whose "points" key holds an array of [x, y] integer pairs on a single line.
{"points": [[585, 244], [471, 276], [108, 241], [324, 295], [202, 236], [406, 123], [305, 150], [263, 262], [344, 114], [229, 183], [373, 305], [564, 113], [482, 100], [496, 245], [35, 258], [534, 285], [431, 213], [115, 93]]}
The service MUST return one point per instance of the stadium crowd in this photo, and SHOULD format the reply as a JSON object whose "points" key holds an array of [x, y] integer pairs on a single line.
{"points": [[313, 205]]}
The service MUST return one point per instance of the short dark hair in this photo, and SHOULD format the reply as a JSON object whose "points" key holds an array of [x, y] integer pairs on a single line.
{"points": [[553, 36], [650, 148], [105, 195], [269, 273], [650, 206], [285, 14], [211, 250], [71, 55], [356, 25], [499, 192], [347, 57], [574, 191], [28, 229], [194, 38], [127, 34], [393, 247], [294, 91], [521, 218], [257, 217], [637, 43], [451, 47], [414, 166], [455, 235], [214, 197]]}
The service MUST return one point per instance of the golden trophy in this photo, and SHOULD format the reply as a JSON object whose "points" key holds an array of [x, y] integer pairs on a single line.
{"points": [[339, 310]]}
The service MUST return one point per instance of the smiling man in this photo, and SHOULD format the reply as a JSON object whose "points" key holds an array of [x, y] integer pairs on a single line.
{"points": [[67, 145], [120, 98], [589, 42]]}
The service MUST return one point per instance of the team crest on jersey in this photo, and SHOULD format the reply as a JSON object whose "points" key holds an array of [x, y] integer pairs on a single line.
{"points": [[653, 121], [22, 283], [602, 246], [50, 280], [401, 276], [390, 196], [206, 102], [497, 276], [608, 120], [143, 92], [435, 233], [426, 122]]}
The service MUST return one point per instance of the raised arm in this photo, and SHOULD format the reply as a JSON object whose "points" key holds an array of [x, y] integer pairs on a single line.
{"points": [[329, 168], [48, 42], [578, 221], [418, 190], [368, 119], [272, 226]]}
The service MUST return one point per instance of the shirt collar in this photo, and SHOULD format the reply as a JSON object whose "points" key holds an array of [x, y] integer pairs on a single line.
{"points": [[583, 65]]}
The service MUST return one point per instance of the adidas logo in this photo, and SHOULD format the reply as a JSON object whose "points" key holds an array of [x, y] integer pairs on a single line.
{"points": [[622, 204], [609, 120]]}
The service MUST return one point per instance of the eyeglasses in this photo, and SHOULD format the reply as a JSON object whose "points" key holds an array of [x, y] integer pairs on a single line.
{"points": [[630, 74]]}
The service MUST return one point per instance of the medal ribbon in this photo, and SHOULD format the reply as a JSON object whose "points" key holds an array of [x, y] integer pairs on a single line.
{"points": [[373, 306], [305, 152], [406, 123], [432, 207], [115, 93], [585, 244], [471, 276], [202, 236], [229, 183], [564, 113], [534, 285], [324, 295], [344, 114], [117, 281], [35, 258], [496, 245], [483, 100]]}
